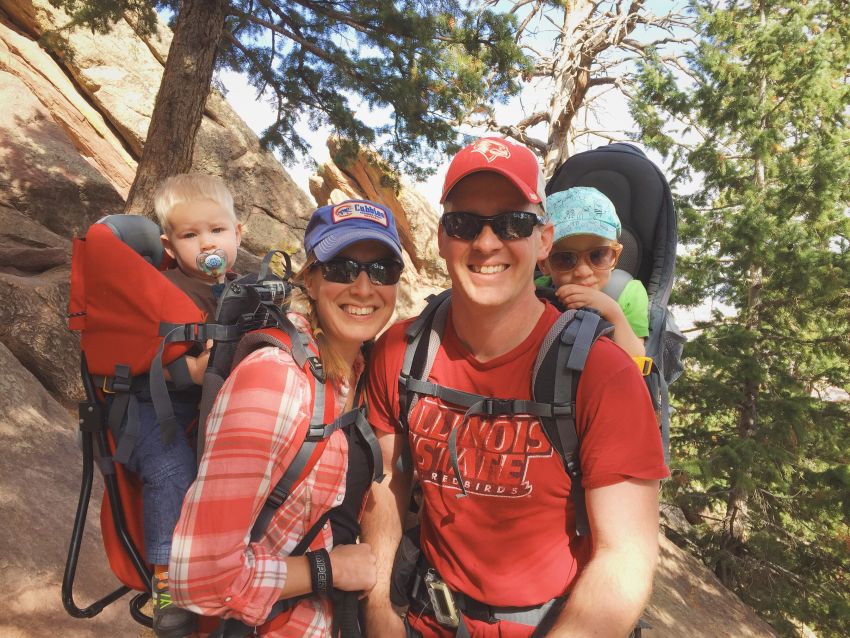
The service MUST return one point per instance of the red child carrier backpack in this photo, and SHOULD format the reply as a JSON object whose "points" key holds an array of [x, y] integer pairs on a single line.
{"points": [[134, 323], [121, 304]]}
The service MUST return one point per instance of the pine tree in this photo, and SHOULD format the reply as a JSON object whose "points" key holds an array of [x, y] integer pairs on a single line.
{"points": [[427, 63], [761, 451]]}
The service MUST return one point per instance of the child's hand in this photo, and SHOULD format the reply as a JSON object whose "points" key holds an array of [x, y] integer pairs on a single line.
{"points": [[574, 296], [198, 365]]}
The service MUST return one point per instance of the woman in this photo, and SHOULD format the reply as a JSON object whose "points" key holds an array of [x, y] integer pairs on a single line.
{"points": [[255, 428]]}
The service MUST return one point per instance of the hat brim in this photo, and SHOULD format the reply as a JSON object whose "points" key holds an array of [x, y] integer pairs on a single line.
{"points": [[335, 243], [516, 181]]}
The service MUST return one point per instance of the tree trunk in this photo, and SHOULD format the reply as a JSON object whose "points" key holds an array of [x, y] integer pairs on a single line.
{"points": [[180, 101]]}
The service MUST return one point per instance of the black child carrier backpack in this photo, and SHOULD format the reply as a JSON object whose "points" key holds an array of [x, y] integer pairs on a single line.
{"points": [[134, 323], [644, 204], [641, 195]]}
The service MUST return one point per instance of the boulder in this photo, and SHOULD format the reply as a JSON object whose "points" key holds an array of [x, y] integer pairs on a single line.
{"points": [[122, 89], [42, 173], [688, 600], [34, 285], [39, 487]]}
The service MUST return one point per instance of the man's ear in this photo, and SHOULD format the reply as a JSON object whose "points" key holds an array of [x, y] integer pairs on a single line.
{"points": [[441, 240], [166, 244], [547, 234], [543, 265]]}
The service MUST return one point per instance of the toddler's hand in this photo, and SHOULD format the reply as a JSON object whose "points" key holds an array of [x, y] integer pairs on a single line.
{"points": [[574, 296], [198, 365]]}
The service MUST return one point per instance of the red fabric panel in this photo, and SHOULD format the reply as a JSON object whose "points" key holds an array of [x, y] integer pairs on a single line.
{"points": [[77, 304], [130, 494], [126, 298]]}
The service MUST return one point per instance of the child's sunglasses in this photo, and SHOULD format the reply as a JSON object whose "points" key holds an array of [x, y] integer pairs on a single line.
{"points": [[600, 258], [507, 226], [383, 272]]}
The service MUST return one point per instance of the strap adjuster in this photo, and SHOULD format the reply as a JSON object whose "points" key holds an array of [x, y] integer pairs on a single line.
{"points": [[315, 432], [317, 368], [121, 382]]}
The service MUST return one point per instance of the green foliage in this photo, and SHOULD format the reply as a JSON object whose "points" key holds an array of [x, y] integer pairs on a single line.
{"points": [[428, 64], [761, 440]]}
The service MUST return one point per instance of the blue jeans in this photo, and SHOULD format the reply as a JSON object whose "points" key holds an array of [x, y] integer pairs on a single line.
{"points": [[166, 471]]}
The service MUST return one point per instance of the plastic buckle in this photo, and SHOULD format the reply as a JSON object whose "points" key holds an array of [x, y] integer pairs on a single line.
{"points": [[442, 601], [190, 331], [644, 364], [104, 388], [496, 407]]}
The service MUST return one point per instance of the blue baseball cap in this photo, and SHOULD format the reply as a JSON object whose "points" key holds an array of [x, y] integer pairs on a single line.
{"points": [[582, 210], [333, 228]]}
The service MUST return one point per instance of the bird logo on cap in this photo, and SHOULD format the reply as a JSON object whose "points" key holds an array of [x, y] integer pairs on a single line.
{"points": [[491, 149]]}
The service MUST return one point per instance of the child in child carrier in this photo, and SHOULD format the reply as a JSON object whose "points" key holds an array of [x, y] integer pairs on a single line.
{"points": [[584, 253], [201, 234]]}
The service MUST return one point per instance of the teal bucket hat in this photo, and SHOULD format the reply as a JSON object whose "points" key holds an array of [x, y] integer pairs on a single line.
{"points": [[582, 210]]}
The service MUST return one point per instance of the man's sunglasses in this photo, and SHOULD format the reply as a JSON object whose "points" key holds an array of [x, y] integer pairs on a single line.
{"points": [[601, 258], [383, 272], [507, 226]]}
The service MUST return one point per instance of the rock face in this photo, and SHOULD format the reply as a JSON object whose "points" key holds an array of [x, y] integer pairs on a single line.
{"points": [[71, 132], [39, 480]]}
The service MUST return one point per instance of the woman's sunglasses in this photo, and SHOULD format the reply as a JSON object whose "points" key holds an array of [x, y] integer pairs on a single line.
{"points": [[507, 226], [383, 272], [601, 258]]}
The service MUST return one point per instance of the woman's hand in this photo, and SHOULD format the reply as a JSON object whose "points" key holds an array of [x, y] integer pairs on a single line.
{"points": [[354, 567]]}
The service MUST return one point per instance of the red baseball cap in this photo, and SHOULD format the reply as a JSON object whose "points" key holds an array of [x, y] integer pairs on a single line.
{"points": [[514, 161]]}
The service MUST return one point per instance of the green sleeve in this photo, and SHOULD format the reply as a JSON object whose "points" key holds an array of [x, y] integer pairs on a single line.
{"points": [[635, 304]]}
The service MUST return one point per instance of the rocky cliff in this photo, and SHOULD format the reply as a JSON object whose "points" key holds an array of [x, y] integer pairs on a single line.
{"points": [[72, 128]]}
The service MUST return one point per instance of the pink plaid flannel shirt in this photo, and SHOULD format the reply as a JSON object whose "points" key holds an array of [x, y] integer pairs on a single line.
{"points": [[253, 432]]}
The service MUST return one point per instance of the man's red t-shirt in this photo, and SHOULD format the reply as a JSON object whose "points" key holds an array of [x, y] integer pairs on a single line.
{"points": [[508, 543]]}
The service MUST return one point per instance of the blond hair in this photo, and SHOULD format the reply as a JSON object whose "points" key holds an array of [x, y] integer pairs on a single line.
{"points": [[335, 366], [190, 187]]}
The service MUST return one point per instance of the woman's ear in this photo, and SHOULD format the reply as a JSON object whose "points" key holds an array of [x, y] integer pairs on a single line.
{"points": [[310, 284], [543, 265]]}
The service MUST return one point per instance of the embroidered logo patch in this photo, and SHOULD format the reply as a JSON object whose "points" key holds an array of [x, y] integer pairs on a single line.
{"points": [[359, 210], [491, 149]]}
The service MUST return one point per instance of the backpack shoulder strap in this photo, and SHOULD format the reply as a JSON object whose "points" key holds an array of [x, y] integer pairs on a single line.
{"points": [[424, 336], [555, 380]]}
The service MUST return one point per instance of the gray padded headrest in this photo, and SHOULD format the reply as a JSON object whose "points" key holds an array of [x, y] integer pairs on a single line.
{"points": [[139, 233]]}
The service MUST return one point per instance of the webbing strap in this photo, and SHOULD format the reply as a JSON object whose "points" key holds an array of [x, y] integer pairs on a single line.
{"points": [[361, 425], [587, 323], [178, 370], [124, 403], [315, 434], [478, 404], [475, 609]]}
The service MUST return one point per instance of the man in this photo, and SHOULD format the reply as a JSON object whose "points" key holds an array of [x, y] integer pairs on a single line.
{"points": [[508, 551]]}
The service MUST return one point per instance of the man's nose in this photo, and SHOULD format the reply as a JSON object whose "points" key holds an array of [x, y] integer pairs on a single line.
{"points": [[487, 240]]}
